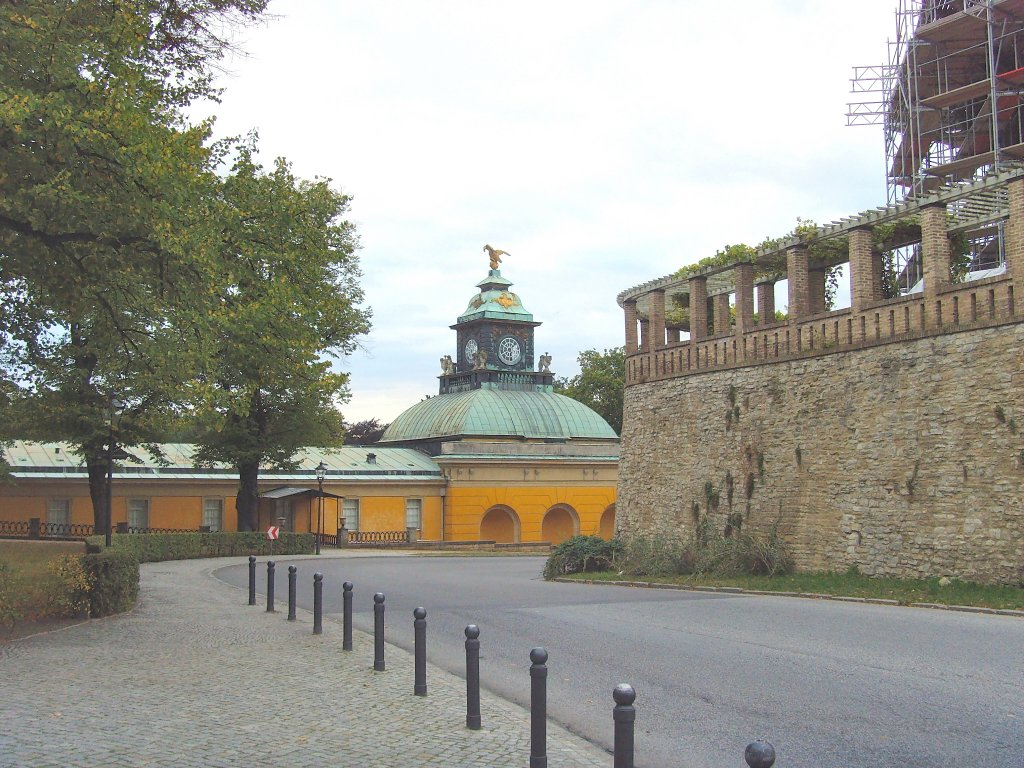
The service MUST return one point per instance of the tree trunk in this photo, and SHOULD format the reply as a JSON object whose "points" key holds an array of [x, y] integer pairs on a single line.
{"points": [[247, 501], [99, 489]]}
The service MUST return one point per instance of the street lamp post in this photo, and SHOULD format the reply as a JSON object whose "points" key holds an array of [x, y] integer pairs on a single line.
{"points": [[321, 473], [112, 416]]}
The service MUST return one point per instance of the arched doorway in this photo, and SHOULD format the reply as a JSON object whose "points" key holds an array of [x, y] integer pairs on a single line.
{"points": [[501, 525], [560, 523], [606, 528]]}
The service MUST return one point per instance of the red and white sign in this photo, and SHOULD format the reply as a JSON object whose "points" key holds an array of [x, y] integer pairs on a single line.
{"points": [[272, 532]]}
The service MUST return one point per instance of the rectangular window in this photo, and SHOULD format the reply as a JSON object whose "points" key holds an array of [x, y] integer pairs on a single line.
{"points": [[413, 513], [350, 511], [58, 511], [138, 513], [213, 514]]}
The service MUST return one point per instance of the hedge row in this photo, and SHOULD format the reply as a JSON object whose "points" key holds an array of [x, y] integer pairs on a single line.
{"points": [[114, 582], [155, 547]]}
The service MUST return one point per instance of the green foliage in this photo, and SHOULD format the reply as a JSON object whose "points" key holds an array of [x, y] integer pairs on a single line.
{"points": [[11, 611], [600, 384], [157, 547], [70, 592], [107, 211], [580, 554], [113, 582], [289, 304]]}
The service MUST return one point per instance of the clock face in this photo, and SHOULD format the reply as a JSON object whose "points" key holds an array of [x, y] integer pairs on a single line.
{"points": [[509, 351], [471, 349]]}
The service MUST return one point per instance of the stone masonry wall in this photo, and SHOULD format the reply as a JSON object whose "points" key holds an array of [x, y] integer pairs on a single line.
{"points": [[905, 459]]}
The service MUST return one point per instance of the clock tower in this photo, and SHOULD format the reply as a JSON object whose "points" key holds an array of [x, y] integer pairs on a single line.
{"points": [[495, 344]]}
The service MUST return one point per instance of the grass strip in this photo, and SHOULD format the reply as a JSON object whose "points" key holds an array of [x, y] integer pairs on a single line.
{"points": [[903, 591]]}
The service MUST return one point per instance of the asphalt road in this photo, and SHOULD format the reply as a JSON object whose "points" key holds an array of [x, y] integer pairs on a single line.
{"points": [[828, 683]]}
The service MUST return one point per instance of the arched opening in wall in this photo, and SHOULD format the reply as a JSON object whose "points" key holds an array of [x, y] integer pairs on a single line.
{"points": [[501, 525], [560, 523], [606, 528]]}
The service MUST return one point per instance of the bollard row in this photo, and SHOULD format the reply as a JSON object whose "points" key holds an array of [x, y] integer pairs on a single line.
{"points": [[758, 754]]}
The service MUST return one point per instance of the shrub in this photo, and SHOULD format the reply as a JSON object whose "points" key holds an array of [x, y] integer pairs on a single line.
{"points": [[10, 610], [69, 592], [708, 552], [654, 556], [581, 554], [157, 547], [113, 580]]}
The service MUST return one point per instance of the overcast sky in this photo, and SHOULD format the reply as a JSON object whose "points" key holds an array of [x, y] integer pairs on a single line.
{"points": [[601, 143]]}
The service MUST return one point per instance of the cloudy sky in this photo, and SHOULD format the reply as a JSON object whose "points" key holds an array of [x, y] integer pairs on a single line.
{"points": [[602, 143]]}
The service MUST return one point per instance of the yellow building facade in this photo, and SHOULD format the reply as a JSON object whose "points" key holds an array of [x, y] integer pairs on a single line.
{"points": [[496, 456]]}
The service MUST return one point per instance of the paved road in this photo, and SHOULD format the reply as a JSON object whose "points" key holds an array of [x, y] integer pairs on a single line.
{"points": [[195, 678], [829, 683]]}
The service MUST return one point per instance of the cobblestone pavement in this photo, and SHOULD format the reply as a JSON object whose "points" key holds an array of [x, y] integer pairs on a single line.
{"points": [[195, 677]]}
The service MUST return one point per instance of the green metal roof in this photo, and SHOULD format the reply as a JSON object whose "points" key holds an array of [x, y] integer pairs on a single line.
{"points": [[29, 459], [499, 413]]}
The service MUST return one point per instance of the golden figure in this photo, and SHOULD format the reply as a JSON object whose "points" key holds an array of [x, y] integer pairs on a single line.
{"points": [[495, 255]]}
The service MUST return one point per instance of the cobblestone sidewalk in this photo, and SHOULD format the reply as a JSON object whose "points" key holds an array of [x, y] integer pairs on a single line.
{"points": [[195, 677]]}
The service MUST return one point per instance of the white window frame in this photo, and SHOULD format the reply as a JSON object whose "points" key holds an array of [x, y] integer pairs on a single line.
{"points": [[134, 523], [348, 506], [218, 523], [58, 508], [414, 513]]}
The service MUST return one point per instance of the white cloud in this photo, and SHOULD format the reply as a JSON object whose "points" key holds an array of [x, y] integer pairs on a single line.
{"points": [[601, 143]]}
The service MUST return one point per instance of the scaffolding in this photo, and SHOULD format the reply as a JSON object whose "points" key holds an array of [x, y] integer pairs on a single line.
{"points": [[950, 101]]}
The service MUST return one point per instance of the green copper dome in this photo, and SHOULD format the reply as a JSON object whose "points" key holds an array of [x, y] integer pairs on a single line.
{"points": [[498, 413], [495, 301]]}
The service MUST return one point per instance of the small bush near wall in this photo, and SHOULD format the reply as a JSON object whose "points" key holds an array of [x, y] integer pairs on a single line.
{"points": [[113, 580], [580, 554], [156, 547]]}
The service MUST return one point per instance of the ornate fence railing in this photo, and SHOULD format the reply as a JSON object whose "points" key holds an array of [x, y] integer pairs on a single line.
{"points": [[35, 528], [378, 537]]}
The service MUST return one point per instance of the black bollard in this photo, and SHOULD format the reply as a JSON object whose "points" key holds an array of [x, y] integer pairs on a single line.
{"points": [[318, 603], [538, 709], [252, 579], [419, 632], [346, 600], [293, 577], [473, 677], [759, 754], [624, 715], [378, 632], [270, 586]]}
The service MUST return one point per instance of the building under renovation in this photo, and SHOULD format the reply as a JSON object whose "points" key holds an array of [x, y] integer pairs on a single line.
{"points": [[887, 435]]}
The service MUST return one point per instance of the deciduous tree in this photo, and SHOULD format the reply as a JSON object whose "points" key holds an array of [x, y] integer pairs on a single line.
{"points": [[599, 384], [291, 305], [106, 209]]}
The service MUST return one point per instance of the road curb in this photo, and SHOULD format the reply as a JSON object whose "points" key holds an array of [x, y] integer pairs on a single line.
{"points": [[805, 595]]}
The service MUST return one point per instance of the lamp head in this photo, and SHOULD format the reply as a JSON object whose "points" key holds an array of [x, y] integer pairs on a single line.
{"points": [[321, 472]]}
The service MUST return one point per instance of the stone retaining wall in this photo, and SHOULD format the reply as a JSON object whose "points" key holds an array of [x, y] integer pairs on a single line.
{"points": [[905, 459]]}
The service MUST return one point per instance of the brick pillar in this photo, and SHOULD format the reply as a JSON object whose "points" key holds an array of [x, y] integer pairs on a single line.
{"points": [[796, 271], [674, 335], [744, 298], [645, 336], [816, 291], [698, 308], [1014, 237], [656, 315], [766, 302], [935, 255], [629, 308], [720, 305], [865, 270]]}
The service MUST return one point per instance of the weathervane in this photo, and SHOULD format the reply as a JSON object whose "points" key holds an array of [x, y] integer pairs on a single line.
{"points": [[495, 255]]}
